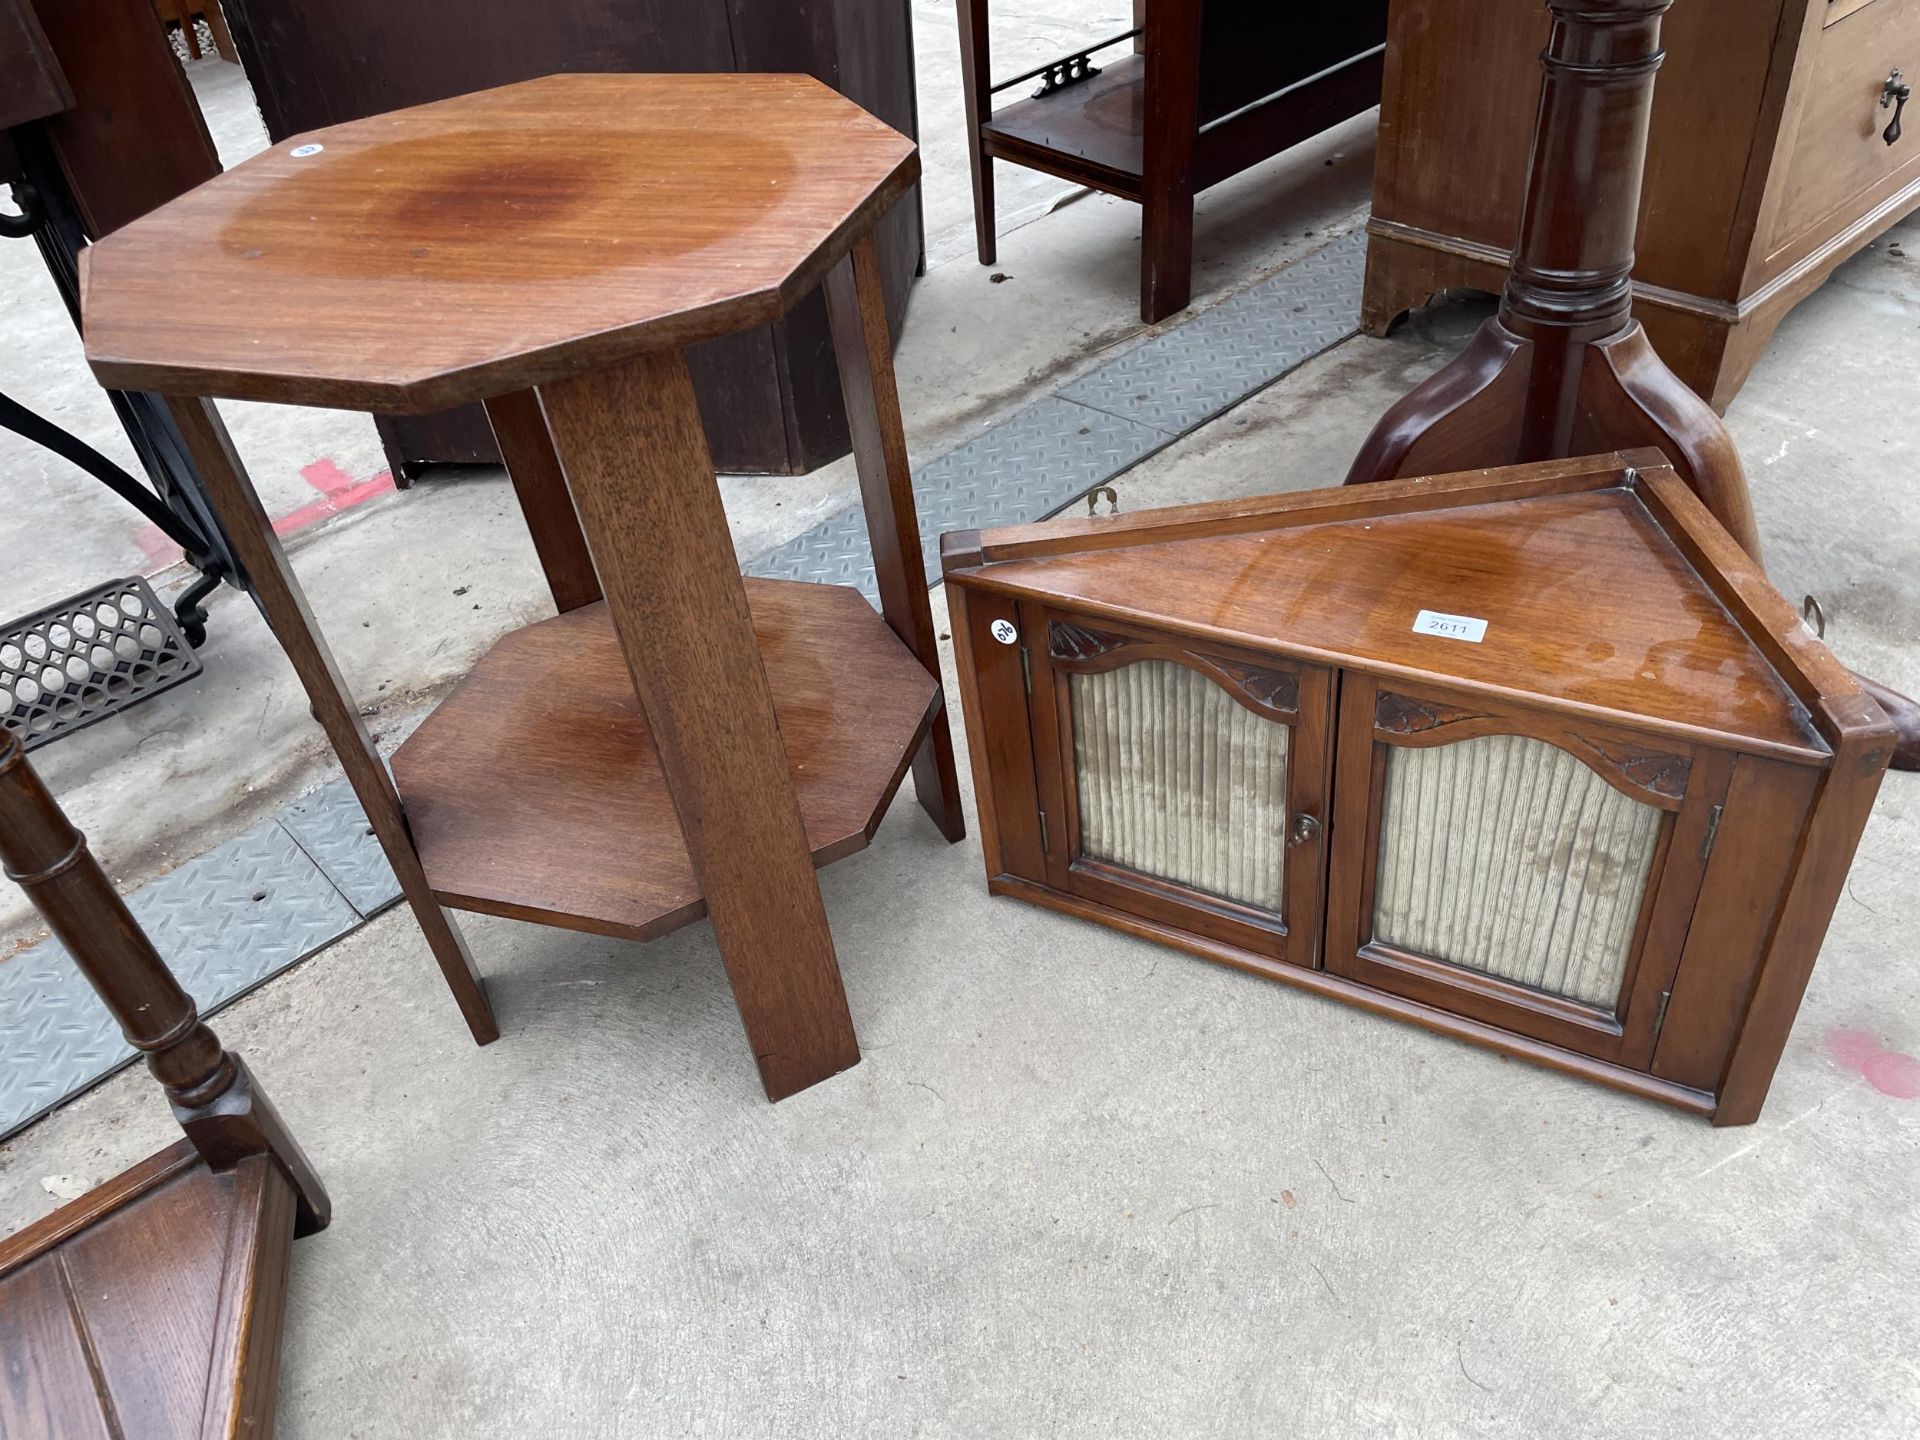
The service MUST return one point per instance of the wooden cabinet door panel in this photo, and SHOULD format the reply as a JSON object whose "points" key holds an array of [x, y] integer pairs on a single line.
{"points": [[1506, 865], [1183, 783]]}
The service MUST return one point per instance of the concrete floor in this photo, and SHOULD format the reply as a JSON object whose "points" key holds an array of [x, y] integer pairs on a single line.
{"points": [[1080, 1185]]}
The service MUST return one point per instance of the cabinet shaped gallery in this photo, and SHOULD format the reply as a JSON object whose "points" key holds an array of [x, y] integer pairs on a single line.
{"points": [[1534, 756]]}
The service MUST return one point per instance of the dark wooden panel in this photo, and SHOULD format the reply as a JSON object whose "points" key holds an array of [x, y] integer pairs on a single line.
{"points": [[1251, 48], [127, 89], [177, 1275], [327, 61], [999, 739], [1753, 853], [31, 85], [46, 1386]]}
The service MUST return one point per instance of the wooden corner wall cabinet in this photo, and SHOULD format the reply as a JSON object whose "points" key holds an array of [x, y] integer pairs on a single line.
{"points": [[1210, 89], [1778, 148], [153, 1304], [674, 742], [1532, 756]]}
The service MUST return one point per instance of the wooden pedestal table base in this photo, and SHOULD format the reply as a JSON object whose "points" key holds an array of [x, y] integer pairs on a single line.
{"points": [[1564, 369], [674, 743]]}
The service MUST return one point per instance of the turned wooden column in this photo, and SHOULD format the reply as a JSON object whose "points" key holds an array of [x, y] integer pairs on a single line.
{"points": [[1564, 369], [225, 1115], [1571, 282]]}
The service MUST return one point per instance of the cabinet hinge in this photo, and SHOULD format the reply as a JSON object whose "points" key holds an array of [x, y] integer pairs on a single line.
{"points": [[1713, 831], [1026, 669], [1660, 1011]]}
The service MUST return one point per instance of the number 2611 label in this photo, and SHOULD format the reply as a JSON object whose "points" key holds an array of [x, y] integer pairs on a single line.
{"points": [[1451, 627]]}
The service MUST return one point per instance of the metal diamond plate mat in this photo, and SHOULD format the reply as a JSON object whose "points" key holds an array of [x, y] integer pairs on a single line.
{"points": [[1185, 376], [1028, 467], [332, 829], [224, 922], [1021, 469]]}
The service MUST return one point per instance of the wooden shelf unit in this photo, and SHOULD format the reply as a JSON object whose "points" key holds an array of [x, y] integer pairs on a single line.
{"points": [[1210, 90], [646, 756]]}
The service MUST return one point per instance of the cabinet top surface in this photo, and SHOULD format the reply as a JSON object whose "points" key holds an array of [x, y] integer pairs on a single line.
{"points": [[482, 244], [1586, 603]]}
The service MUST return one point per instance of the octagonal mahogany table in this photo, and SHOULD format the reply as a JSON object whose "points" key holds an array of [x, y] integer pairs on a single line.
{"points": [[673, 743]]}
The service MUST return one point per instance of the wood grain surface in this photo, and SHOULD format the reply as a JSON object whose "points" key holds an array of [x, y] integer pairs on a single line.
{"points": [[563, 223], [277, 590], [630, 443], [151, 1306], [857, 305], [575, 826], [1587, 603]]}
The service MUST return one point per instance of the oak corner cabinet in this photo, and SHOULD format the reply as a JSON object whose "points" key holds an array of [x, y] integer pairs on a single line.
{"points": [[1533, 756], [1778, 147]]}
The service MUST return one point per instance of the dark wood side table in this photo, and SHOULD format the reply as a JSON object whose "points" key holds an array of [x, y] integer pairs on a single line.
{"points": [[1211, 89], [549, 248]]}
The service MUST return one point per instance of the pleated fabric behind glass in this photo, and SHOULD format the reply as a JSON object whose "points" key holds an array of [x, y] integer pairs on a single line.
{"points": [[1506, 855], [1179, 780]]}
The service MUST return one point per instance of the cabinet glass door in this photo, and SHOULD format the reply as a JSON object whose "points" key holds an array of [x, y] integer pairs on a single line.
{"points": [[1183, 783], [1515, 868]]}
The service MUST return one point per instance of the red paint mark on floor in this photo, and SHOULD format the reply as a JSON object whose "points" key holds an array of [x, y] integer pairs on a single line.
{"points": [[338, 491], [157, 552], [1888, 1071]]}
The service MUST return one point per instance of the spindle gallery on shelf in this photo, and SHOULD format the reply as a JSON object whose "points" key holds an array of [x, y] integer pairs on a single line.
{"points": [[662, 523]]}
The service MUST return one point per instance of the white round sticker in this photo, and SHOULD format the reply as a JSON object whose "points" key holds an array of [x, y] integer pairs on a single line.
{"points": [[1003, 631], [300, 152]]}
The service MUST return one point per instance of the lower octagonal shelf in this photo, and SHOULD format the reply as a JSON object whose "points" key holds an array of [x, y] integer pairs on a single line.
{"points": [[534, 791]]}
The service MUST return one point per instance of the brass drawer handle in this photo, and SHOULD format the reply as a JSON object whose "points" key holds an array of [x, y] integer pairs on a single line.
{"points": [[1895, 93]]}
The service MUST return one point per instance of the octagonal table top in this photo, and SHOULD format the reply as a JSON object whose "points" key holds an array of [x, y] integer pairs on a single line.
{"points": [[450, 252]]}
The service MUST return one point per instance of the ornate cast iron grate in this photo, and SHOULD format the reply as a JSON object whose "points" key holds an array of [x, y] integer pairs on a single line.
{"points": [[93, 654]]}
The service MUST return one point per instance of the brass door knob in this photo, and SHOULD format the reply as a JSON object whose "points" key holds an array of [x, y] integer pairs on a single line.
{"points": [[1305, 828]]}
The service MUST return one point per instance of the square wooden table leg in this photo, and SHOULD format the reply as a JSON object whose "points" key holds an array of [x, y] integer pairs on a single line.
{"points": [[520, 430], [630, 441], [857, 309], [976, 86], [285, 606], [1167, 143]]}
